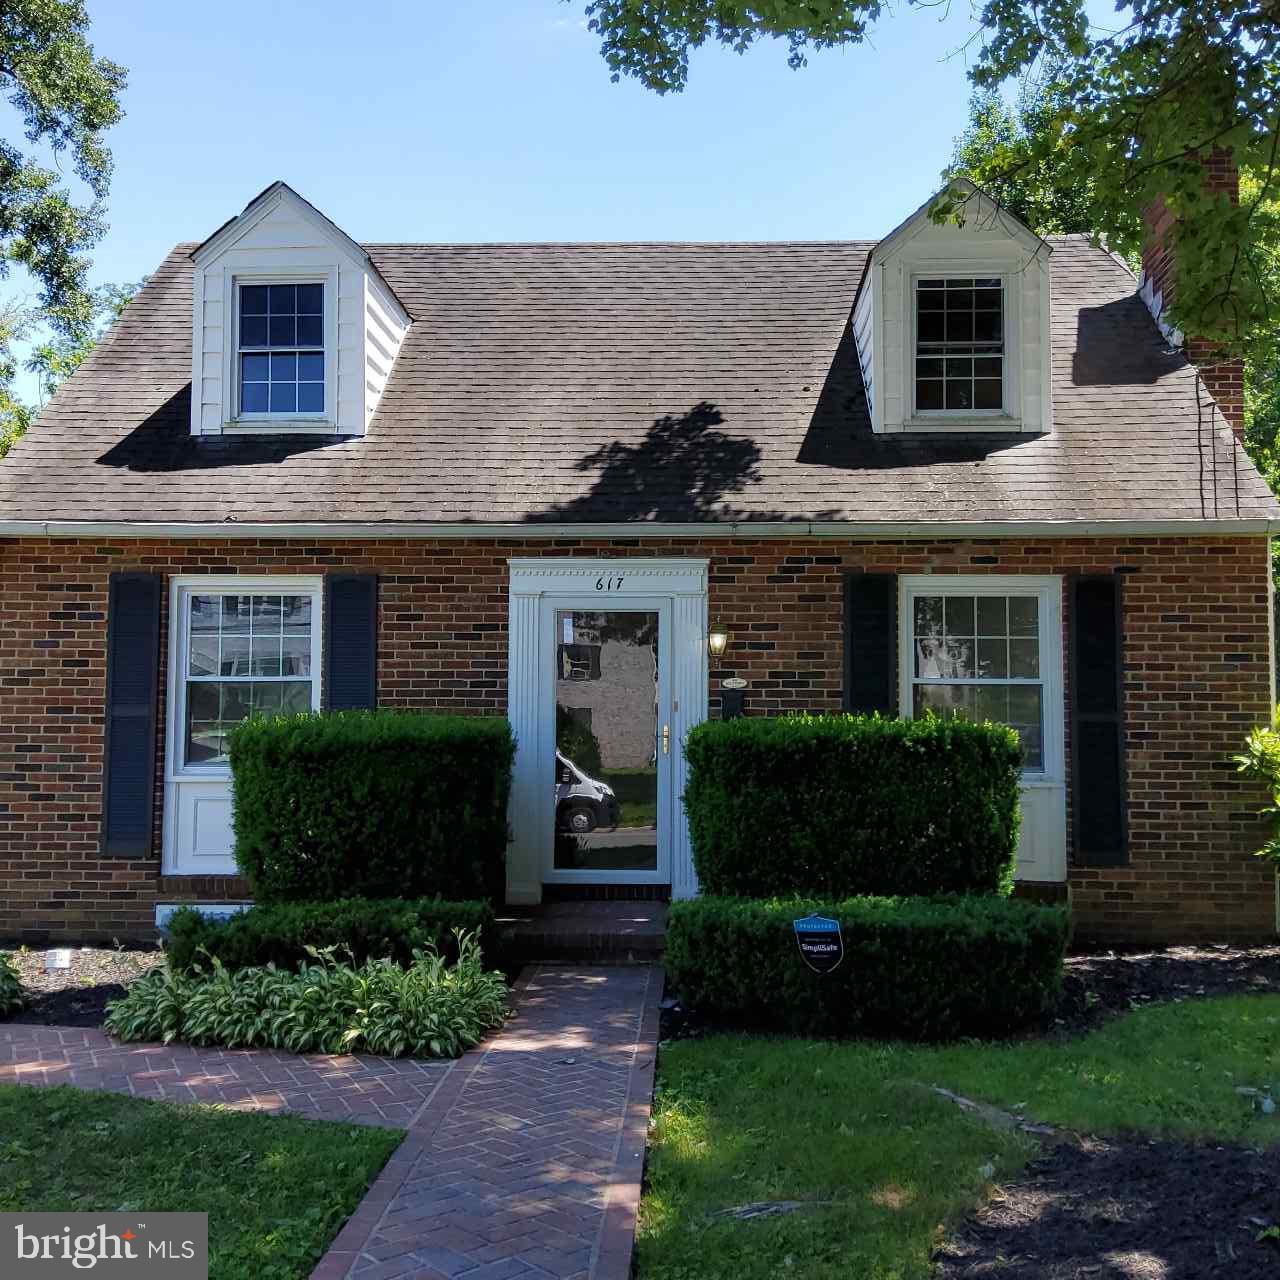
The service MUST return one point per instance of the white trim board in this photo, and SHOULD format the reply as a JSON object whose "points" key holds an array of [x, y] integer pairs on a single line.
{"points": [[232, 529]]}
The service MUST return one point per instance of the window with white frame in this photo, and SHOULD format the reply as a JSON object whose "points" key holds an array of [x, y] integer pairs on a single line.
{"points": [[281, 349], [960, 348], [241, 655], [982, 655]]}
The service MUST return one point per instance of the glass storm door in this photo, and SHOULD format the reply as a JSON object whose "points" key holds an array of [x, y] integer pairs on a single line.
{"points": [[610, 769]]}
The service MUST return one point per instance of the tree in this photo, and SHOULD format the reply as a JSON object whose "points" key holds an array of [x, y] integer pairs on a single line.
{"points": [[67, 99], [1135, 110], [55, 359]]}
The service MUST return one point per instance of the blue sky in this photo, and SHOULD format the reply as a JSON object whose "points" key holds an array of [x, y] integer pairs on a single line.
{"points": [[413, 120]]}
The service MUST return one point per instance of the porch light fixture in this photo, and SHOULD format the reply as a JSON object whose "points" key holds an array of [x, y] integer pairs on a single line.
{"points": [[718, 638]]}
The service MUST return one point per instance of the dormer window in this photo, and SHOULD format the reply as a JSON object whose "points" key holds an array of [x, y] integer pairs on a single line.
{"points": [[281, 349], [959, 356]]}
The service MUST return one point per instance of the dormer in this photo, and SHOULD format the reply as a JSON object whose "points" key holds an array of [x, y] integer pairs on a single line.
{"points": [[951, 323], [295, 330]]}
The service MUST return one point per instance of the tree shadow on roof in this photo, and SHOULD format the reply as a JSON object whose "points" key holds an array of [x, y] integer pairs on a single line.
{"points": [[163, 443], [683, 469]]}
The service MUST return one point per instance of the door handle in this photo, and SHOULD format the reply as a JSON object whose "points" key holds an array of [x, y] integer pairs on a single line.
{"points": [[666, 739]]}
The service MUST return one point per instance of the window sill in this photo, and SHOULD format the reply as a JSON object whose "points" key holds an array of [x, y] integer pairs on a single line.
{"points": [[977, 422], [281, 426]]}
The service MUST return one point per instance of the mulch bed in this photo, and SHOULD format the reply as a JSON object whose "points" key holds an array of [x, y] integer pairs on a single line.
{"points": [[78, 996], [1092, 1210]]}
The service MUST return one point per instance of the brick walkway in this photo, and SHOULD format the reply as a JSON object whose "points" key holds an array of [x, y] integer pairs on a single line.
{"points": [[522, 1160]]}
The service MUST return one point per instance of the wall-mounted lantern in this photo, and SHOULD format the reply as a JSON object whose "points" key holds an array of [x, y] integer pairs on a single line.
{"points": [[718, 638]]}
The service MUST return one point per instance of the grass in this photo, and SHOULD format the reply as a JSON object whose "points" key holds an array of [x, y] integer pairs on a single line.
{"points": [[637, 792], [276, 1188], [739, 1119]]}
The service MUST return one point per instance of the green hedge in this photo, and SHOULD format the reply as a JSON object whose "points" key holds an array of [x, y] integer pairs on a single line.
{"points": [[11, 995], [372, 929], [371, 804], [845, 805], [913, 968]]}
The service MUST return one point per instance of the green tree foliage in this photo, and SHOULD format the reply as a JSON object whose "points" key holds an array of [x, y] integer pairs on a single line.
{"points": [[1135, 108], [66, 98]]}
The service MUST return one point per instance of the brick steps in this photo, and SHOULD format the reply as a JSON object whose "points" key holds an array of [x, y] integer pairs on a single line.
{"points": [[603, 933]]}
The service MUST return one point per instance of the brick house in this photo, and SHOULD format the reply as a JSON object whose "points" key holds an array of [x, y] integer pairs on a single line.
{"points": [[961, 468]]}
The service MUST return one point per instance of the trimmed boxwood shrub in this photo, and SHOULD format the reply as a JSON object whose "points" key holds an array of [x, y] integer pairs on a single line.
{"points": [[369, 929], [913, 968], [844, 805], [371, 804]]}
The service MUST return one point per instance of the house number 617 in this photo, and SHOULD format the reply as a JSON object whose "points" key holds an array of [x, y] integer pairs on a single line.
{"points": [[609, 584]]}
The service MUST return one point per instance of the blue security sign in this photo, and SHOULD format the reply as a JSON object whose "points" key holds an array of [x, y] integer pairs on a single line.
{"points": [[820, 943]]}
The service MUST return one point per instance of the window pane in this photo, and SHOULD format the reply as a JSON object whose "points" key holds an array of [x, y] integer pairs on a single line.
{"points": [[987, 326], [311, 368], [295, 611], [283, 331], [959, 296], [992, 703], [929, 395], [234, 656], [959, 615], [987, 299], [284, 398], [310, 299], [266, 698], [255, 368], [1023, 616], [254, 398], [993, 659], [959, 395], [295, 697], [284, 299], [1025, 716], [203, 700], [928, 615], [284, 368], [253, 300], [311, 397], [253, 331], [236, 611], [205, 744], [992, 367], [310, 331], [235, 701], [960, 367], [1024, 659], [206, 613], [992, 616], [945, 700], [265, 656], [203, 656], [988, 394], [930, 326], [296, 654], [960, 327]]}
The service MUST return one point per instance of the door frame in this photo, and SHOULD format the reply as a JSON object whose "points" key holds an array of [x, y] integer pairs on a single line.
{"points": [[661, 605], [598, 583]]}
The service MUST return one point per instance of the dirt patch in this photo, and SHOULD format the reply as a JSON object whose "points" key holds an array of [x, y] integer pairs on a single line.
{"points": [[1096, 1210], [1100, 985], [78, 996]]}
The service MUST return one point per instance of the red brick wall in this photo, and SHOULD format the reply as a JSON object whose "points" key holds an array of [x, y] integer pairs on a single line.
{"points": [[1197, 677]]}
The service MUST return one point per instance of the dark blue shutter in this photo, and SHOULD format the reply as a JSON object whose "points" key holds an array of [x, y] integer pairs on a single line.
{"points": [[350, 641], [870, 643], [129, 755], [1099, 835]]}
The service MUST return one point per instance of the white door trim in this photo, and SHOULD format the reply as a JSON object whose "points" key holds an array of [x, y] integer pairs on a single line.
{"points": [[1042, 841], [601, 581], [187, 787]]}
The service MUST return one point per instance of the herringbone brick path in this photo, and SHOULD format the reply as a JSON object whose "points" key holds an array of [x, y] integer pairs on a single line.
{"points": [[356, 1089], [522, 1160]]}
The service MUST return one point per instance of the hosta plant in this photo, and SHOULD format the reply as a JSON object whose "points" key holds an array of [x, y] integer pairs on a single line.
{"points": [[11, 997], [430, 1008]]}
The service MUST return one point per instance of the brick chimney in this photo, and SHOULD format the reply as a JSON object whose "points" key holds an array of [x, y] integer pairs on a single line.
{"points": [[1224, 379]]}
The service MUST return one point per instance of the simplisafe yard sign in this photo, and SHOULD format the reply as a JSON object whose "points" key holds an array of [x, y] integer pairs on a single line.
{"points": [[820, 943]]}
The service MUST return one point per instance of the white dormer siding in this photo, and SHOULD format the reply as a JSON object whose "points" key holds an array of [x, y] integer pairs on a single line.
{"points": [[991, 248], [280, 239]]}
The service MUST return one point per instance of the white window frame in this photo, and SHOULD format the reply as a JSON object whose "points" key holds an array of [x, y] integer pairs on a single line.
{"points": [[181, 589], [1048, 592], [318, 423], [1008, 417]]}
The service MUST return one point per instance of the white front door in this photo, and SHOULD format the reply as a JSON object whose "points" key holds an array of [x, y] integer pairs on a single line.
{"points": [[608, 672], [990, 648], [237, 645]]}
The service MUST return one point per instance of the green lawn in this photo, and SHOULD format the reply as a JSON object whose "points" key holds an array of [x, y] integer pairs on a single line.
{"points": [[742, 1119], [276, 1188]]}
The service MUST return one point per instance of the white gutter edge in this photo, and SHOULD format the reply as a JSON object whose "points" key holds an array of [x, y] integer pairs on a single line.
{"points": [[232, 529]]}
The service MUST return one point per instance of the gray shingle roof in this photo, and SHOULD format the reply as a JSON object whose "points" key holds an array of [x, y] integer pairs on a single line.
{"points": [[638, 382]]}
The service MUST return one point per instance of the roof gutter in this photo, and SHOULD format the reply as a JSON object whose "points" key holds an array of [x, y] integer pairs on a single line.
{"points": [[235, 529]]}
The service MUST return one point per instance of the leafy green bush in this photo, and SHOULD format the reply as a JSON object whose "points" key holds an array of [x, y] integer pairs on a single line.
{"points": [[287, 933], [1261, 760], [371, 804], [11, 995], [914, 968], [842, 805], [429, 1009]]}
